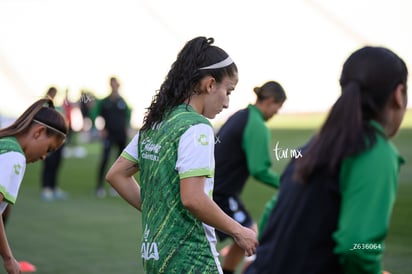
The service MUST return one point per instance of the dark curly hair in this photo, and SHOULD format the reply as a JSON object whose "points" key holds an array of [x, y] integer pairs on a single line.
{"points": [[184, 75]]}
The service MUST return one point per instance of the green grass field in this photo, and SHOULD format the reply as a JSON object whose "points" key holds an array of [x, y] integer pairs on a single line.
{"points": [[101, 236]]}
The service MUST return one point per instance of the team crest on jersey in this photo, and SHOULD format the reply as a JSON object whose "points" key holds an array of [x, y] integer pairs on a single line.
{"points": [[203, 140], [149, 249], [17, 169]]}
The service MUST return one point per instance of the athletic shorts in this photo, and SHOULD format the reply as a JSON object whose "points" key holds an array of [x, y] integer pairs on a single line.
{"points": [[233, 207]]}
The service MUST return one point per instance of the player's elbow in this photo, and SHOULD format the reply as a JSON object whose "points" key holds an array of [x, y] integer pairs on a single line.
{"points": [[110, 177], [190, 202]]}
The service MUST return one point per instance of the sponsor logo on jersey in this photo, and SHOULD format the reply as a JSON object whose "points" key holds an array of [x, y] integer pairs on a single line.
{"points": [[149, 249]]}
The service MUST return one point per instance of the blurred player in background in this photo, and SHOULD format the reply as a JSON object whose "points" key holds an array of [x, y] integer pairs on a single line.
{"points": [[116, 114], [50, 189], [243, 149]]}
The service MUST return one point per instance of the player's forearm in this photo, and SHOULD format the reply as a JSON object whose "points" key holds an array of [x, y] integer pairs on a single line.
{"points": [[120, 177], [129, 190], [208, 212], [127, 187], [5, 251]]}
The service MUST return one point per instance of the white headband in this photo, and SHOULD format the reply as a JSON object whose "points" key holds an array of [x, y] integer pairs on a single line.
{"points": [[52, 128], [228, 61]]}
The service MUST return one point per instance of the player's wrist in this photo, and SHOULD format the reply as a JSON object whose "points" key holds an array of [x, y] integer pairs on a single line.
{"points": [[236, 230], [7, 256]]}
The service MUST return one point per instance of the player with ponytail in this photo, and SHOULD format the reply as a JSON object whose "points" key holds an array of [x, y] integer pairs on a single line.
{"points": [[174, 152], [334, 204], [38, 131]]}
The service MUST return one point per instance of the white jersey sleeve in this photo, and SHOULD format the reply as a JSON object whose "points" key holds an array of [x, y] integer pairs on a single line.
{"points": [[13, 165], [196, 152], [131, 152]]}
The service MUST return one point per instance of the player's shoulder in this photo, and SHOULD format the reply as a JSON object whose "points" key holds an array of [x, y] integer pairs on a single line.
{"points": [[238, 118], [10, 144], [380, 158]]}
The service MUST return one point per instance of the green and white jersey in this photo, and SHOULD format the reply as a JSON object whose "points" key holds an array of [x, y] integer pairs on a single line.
{"points": [[182, 146], [13, 165]]}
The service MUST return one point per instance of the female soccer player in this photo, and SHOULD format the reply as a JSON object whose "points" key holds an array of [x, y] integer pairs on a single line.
{"points": [[242, 150], [38, 131], [335, 202], [174, 152]]}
